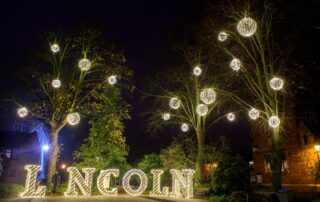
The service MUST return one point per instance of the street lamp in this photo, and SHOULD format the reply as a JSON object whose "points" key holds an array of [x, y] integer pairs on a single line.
{"points": [[63, 166], [45, 147]]}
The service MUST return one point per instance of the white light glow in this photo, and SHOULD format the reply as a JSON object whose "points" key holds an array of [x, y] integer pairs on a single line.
{"points": [[197, 71], [254, 113], [84, 64], [222, 36], [56, 83], [184, 127], [235, 64], [45, 147], [84, 184], [247, 27], [182, 183], [73, 118], [231, 116], [112, 80], [208, 96], [30, 186], [274, 121], [174, 103], [55, 48], [22, 112], [276, 83], [202, 109], [103, 182], [156, 188], [143, 182], [166, 116]]}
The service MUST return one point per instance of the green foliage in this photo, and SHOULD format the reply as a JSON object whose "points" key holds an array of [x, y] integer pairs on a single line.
{"points": [[150, 161], [10, 190], [232, 174]]}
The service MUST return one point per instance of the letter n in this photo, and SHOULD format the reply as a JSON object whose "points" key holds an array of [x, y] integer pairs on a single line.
{"points": [[182, 183]]}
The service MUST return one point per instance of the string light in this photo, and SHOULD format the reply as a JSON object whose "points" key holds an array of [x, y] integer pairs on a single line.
{"points": [[247, 27], [182, 183], [274, 121], [276, 83], [84, 184], [22, 112], [56, 83], [222, 36], [166, 116], [30, 186], [55, 48], [235, 64], [208, 96], [197, 71], [112, 80], [143, 182], [103, 182], [84, 64], [254, 113], [231, 116], [73, 118], [156, 187], [184, 127], [202, 109], [174, 103]]}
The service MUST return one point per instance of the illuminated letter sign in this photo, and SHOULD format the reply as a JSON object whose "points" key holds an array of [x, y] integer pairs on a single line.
{"points": [[103, 182], [182, 183], [156, 188], [30, 187], [143, 182]]}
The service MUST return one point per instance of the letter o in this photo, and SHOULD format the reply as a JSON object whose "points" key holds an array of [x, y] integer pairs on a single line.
{"points": [[143, 182]]}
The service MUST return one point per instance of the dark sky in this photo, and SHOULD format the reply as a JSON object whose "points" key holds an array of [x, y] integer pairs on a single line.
{"points": [[141, 28]]}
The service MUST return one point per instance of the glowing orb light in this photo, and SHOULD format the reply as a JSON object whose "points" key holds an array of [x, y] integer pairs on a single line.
{"points": [[254, 113], [247, 27], [166, 116], [202, 109], [276, 83], [84, 64], [45, 147], [208, 96], [231, 116], [73, 118], [235, 64], [22, 112], [222, 36], [184, 127], [55, 48], [112, 80], [56, 83], [174, 103], [197, 71], [274, 121]]}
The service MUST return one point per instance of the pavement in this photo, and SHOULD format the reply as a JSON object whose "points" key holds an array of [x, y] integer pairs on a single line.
{"points": [[119, 198]]}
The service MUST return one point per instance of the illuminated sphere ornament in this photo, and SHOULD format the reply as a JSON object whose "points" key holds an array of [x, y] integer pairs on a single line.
{"points": [[166, 116], [247, 27], [73, 118], [197, 71], [276, 83], [56, 83], [231, 116], [202, 109], [235, 64], [208, 96], [254, 113], [184, 127], [174, 103], [274, 121], [55, 48], [222, 36], [84, 64], [22, 112], [112, 80]]}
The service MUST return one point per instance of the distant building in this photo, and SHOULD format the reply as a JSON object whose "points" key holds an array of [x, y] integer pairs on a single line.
{"points": [[17, 149], [299, 169]]}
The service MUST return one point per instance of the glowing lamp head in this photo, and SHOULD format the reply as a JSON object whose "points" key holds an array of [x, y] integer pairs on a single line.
{"points": [[231, 116], [254, 113], [84, 64], [73, 118], [247, 27], [222, 36], [166, 116], [317, 148], [274, 121], [202, 109], [276, 83], [22, 112], [56, 83], [112, 80], [208, 96], [63, 166], [184, 127], [197, 71], [235, 64], [55, 48], [174, 103], [45, 147]]}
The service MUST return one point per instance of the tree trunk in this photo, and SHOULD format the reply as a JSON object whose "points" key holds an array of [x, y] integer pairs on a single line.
{"points": [[276, 160], [53, 154], [200, 157]]}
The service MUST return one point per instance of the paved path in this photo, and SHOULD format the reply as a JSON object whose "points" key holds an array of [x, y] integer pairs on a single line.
{"points": [[120, 198]]}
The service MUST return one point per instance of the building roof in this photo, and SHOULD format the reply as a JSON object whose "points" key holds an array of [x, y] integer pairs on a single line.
{"points": [[12, 139]]}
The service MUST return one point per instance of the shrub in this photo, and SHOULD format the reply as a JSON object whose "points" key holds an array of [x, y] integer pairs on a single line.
{"points": [[10, 190]]}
